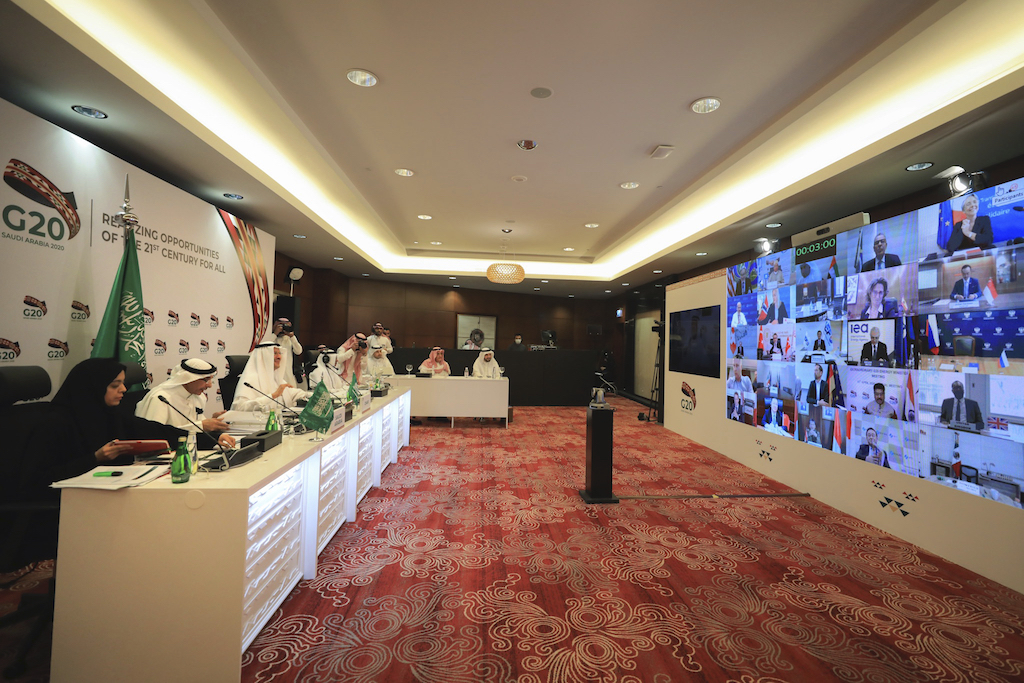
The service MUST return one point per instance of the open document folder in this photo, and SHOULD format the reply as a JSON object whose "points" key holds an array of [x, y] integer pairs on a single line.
{"points": [[107, 477]]}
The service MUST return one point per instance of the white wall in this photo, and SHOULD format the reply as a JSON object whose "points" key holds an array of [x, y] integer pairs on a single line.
{"points": [[979, 534], [645, 350]]}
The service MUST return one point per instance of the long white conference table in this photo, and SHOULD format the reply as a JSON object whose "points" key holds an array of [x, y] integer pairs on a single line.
{"points": [[172, 582], [455, 396]]}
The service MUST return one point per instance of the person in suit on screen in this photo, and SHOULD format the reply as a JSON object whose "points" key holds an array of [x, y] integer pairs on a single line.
{"points": [[879, 304], [882, 259], [870, 452], [874, 350], [775, 345], [966, 288], [817, 391], [777, 312], [973, 231], [819, 343], [960, 409], [879, 407], [773, 416]]}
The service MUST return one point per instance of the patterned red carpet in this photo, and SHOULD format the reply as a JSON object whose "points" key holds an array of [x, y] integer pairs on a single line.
{"points": [[478, 561]]}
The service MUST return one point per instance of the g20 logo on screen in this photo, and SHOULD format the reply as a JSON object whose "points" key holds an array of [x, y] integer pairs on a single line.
{"points": [[689, 400], [9, 350], [26, 225]]}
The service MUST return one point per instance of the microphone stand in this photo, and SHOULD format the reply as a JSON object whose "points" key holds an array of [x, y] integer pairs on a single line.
{"points": [[275, 401], [217, 446]]}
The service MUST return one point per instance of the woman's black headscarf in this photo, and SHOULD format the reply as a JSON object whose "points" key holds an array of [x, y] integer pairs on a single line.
{"points": [[82, 395]]}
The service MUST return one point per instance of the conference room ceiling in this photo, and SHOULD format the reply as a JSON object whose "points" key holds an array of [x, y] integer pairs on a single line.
{"points": [[454, 97]]}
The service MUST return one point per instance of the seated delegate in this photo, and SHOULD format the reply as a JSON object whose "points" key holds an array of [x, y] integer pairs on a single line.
{"points": [[327, 371], [377, 363], [185, 390], [264, 372], [435, 363], [485, 366], [89, 425]]}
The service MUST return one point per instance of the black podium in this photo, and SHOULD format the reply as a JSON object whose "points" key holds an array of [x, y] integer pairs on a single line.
{"points": [[599, 455]]}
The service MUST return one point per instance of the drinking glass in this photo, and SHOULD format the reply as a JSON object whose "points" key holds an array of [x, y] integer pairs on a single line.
{"points": [[408, 369], [501, 369]]}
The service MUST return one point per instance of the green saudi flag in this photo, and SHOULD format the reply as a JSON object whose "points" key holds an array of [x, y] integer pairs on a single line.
{"points": [[122, 333], [352, 394], [319, 411]]}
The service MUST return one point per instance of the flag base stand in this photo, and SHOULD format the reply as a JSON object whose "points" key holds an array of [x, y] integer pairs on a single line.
{"points": [[599, 456], [317, 436]]}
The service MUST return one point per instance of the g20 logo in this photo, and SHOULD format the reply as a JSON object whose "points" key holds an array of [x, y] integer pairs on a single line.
{"points": [[19, 220]]}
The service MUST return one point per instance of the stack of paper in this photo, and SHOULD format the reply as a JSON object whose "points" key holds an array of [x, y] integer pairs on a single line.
{"points": [[114, 477]]}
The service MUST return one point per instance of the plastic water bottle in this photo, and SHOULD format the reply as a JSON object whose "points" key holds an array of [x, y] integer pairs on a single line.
{"points": [[466, 372], [181, 466]]}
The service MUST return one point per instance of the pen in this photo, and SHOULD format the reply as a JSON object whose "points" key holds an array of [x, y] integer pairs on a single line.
{"points": [[146, 472], [107, 474]]}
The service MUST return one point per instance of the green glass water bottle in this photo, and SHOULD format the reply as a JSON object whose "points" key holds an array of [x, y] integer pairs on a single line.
{"points": [[271, 422], [181, 465]]}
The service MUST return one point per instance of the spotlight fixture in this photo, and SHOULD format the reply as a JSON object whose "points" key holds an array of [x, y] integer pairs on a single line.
{"points": [[362, 78], [527, 145], [920, 166], [91, 112], [705, 105], [506, 230], [961, 181], [294, 274], [772, 226], [232, 195], [629, 185], [404, 172], [765, 245]]}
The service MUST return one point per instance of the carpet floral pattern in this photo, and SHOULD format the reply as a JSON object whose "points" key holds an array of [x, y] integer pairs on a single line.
{"points": [[477, 561]]}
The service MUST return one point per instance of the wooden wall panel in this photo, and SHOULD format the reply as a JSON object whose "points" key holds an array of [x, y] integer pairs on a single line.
{"points": [[429, 298]]}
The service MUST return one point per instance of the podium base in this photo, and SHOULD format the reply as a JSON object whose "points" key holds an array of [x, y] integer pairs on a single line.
{"points": [[591, 500]]}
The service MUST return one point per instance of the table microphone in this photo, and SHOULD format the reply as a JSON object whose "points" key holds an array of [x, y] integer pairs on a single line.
{"points": [[216, 442], [272, 399]]}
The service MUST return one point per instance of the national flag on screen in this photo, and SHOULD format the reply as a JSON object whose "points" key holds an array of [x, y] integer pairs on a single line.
{"points": [[785, 353], [807, 341], [909, 399], [989, 292], [858, 259], [841, 428], [833, 269], [934, 343], [760, 339], [998, 423], [762, 315], [731, 282], [835, 386], [122, 332], [732, 344], [828, 336], [785, 422], [1004, 362], [945, 227]]}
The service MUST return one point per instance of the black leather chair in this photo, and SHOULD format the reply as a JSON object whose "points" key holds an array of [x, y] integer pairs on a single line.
{"points": [[28, 511], [968, 473], [135, 374], [229, 383]]}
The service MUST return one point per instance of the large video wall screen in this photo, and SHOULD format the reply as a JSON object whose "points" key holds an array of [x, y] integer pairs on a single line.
{"points": [[900, 343]]}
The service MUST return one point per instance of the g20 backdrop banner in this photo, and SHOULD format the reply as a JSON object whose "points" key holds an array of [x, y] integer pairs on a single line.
{"points": [[900, 343], [205, 274]]}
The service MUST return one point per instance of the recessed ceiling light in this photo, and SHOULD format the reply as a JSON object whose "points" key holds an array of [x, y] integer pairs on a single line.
{"points": [[543, 282], [773, 225], [541, 93], [536, 289], [404, 172], [702, 253], [299, 237], [361, 77], [452, 277], [456, 286], [436, 244], [657, 285], [625, 284], [631, 185], [339, 258], [705, 105], [519, 178], [89, 111], [590, 225], [607, 291], [232, 195], [920, 166], [506, 230], [568, 249], [572, 296], [366, 275], [527, 145], [657, 272], [424, 217]]}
